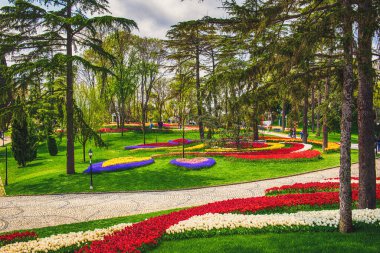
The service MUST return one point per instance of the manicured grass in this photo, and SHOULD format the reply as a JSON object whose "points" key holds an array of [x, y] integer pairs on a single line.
{"points": [[47, 174], [366, 239]]}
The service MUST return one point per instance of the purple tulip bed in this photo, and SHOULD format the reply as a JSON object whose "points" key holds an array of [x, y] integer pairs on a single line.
{"points": [[194, 163]]}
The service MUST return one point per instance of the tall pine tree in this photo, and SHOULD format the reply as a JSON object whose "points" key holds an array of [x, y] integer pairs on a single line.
{"points": [[43, 35]]}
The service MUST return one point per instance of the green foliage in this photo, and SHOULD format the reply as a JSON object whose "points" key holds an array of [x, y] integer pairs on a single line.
{"points": [[52, 146], [24, 139]]}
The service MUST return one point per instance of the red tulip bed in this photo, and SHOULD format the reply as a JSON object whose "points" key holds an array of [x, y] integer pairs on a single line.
{"points": [[148, 233], [310, 188], [17, 237], [112, 130]]}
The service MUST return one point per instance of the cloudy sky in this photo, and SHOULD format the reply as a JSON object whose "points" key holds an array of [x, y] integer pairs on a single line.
{"points": [[154, 17]]}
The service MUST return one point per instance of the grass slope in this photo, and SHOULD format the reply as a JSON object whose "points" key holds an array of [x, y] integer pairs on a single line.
{"points": [[366, 239]]}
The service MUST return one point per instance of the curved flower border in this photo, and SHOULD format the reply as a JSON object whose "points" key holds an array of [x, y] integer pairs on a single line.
{"points": [[148, 232], [195, 166], [98, 167]]}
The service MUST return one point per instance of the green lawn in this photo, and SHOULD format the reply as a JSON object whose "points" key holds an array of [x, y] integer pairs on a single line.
{"points": [[366, 239], [48, 175]]}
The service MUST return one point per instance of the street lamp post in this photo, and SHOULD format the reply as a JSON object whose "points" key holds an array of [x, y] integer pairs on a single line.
{"points": [[6, 165], [90, 155]]}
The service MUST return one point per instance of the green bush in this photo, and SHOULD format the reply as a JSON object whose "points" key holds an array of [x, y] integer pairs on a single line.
{"points": [[52, 146]]}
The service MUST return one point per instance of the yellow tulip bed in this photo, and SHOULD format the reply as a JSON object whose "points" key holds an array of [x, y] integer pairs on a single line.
{"points": [[123, 160], [271, 146]]}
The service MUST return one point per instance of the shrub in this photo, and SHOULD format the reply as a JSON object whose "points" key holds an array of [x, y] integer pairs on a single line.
{"points": [[52, 146]]}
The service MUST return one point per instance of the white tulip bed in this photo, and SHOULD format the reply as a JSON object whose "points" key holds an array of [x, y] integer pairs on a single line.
{"points": [[57, 242], [324, 218], [207, 222]]}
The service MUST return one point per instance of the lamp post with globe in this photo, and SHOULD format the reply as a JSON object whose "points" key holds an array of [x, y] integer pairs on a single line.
{"points": [[90, 155]]}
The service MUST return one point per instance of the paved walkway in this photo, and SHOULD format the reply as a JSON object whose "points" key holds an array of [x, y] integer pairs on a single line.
{"points": [[27, 212]]}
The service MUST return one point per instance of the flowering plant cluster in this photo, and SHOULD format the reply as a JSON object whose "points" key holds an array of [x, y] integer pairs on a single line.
{"points": [[353, 180], [332, 146], [124, 160], [322, 218], [308, 154], [246, 144], [148, 232], [270, 146], [295, 151], [194, 163], [112, 130], [171, 143], [310, 188], [123, 163], [61, 241], [180, 141], [16, 237]]}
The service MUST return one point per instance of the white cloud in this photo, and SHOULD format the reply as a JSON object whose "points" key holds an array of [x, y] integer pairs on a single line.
{"points": [[154, 17]]}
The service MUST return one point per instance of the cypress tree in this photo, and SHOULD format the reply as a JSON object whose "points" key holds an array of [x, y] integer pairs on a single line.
{"points": [[52, 146], [24, 141]]}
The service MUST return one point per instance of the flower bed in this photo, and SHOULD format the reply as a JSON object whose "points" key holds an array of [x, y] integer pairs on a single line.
{"points": [[179, 141], [246, 145], [233, 215], [170, 149], [292, 152], [17, 237], [158, 145], [123, 163], [323, 218], [310, 188], [270, 146], [60, 241], [148, 232], [112, 130], [332, 146], [308, 154], [194, 163]]}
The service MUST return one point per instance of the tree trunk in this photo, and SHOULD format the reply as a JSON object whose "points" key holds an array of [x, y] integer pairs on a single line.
{"points": [[122, 118], [312, 110], [84, 151], [70, 165], [305, 111], [319, 114], [283, 114], [199, 97], [345, 193], [325, 129], [366, 116]]}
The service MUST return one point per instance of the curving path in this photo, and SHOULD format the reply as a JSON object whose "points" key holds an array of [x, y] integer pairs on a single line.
{"points": [[27, 212]]}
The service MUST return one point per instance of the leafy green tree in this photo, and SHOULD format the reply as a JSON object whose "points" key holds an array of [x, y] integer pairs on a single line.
{"points": [[44, 34], [90, 115]]}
